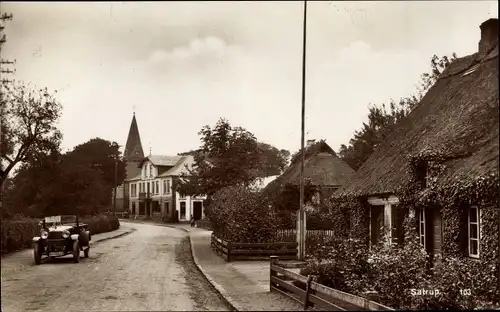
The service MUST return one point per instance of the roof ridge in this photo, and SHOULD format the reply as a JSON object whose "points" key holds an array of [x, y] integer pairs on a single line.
{"points": [[475, 62]]}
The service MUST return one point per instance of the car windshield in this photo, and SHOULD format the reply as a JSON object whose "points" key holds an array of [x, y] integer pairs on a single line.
{"points": [[61, 219]]}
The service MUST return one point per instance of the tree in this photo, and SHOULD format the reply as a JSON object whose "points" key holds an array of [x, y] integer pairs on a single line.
{"points": [[273, 161], [28, 126], [229, 156], [100, 155], [79, 181], [381, 120]]}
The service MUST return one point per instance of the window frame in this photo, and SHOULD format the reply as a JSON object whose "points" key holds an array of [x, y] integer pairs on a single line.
{"points": [[477, 224], [421, 225]]}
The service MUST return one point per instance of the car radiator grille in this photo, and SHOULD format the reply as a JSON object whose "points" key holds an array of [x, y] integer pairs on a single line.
{"points": [[55, 235]]}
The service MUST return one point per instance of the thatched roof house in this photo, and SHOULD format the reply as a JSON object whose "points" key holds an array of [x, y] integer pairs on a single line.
{"points": [[442, 159], [322, 168]]}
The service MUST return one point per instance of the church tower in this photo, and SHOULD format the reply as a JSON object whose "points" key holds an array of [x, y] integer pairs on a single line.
{"points": [[132, 156], [133, 153]]}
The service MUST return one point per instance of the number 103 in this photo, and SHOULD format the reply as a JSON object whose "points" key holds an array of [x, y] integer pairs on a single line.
{"points": [[465, 292]]}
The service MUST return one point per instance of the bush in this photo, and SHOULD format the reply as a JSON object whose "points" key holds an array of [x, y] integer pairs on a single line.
{"points": [[17, 234], [241, 214], [395, 272], [342, 265], [101, 223]]}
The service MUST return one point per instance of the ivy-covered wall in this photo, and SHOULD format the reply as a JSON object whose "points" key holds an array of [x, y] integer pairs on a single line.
{"points": [[427, 189]]}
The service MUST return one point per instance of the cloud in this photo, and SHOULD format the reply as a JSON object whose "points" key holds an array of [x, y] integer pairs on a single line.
{"points": [[208, 46]]}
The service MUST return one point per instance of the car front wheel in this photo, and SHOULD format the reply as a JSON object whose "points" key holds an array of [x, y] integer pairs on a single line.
{"points": [[76, 252], [37, 253]]}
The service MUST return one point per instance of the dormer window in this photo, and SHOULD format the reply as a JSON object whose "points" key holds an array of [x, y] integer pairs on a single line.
{"points": [[423, 174], [471, 70]]}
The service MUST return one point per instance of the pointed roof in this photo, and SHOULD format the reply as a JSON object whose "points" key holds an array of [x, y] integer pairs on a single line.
{"points": [[133, 148]]}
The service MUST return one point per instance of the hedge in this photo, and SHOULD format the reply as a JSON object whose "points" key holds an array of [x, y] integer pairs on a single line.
{"points": [[18, 234], [242, 214]]}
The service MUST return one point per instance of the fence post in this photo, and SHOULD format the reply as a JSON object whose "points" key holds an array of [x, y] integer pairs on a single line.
{"points": [[229, 247], [273, 260], [308, 288]]}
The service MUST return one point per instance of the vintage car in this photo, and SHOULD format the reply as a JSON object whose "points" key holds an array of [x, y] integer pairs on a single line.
{"points": [[60, 236]]}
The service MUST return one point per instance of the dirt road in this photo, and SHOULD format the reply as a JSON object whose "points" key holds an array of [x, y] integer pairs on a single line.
{"points": [[150, 269]]}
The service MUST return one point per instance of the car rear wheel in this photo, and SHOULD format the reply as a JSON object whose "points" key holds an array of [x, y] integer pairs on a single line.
{"points": [[76, 252], [37, 253], [86, 252]]}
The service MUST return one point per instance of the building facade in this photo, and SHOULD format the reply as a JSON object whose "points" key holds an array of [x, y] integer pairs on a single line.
{"points": [[152, 191]]}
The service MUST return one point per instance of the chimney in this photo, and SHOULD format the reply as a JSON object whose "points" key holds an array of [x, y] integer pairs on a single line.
{"points": [[310, 143], [489, 35]]}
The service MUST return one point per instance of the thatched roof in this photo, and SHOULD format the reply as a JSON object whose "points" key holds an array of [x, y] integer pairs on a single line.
{"points": [[459, 116], [322, 167]]}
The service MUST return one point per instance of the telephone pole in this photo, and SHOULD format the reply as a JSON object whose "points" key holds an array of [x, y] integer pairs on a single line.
{"points": [[301, 220], [3, 39], [3, 84]]}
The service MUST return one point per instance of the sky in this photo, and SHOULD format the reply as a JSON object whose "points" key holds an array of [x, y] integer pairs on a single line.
{"points": [[183, 65]]}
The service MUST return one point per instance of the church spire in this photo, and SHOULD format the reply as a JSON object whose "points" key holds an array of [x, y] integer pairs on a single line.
{"points": [[133, 148]]}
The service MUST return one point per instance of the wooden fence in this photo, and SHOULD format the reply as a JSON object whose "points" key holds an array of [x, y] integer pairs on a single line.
{"points": [[290, 235], [314, 295], [253, 251]]}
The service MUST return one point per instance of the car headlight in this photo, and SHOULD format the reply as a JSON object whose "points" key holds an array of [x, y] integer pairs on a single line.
{"points": [[65, 234], [44, 234]]}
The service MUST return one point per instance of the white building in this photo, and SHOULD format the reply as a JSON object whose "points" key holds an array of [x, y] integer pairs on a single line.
{"points": [[152, 192]]}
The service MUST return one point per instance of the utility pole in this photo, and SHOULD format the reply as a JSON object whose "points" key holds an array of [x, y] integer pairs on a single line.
{"points": [[3, 84], [3, 39], [116, 179], [301, 220]]}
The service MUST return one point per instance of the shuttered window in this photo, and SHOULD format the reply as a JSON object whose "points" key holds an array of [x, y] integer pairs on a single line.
{"points": [[397, 233]]}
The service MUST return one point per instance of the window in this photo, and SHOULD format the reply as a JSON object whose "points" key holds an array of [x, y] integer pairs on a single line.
{"points": [[168, 186], [148, 187], [157, 190], [474, 234], [133, 190], [150, 170], [183, 211], [164, 186], [166, 207], [421, 222]]}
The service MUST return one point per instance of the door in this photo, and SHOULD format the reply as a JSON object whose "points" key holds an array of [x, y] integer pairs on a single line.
{"points": [[183, 210], [376, 222], [197, 207]]}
